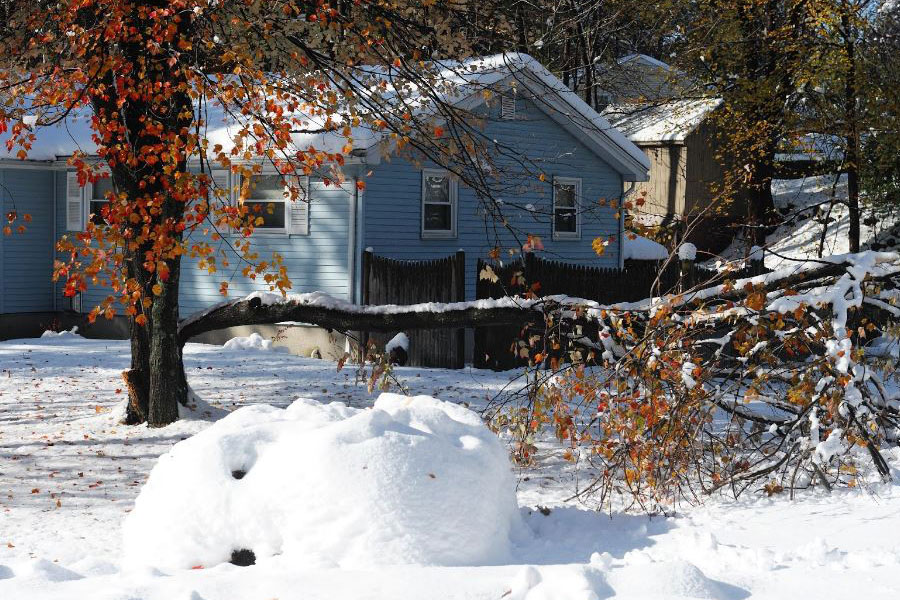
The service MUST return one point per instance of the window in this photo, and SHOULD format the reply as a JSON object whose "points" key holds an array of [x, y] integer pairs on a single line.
{"points": [[438, 204], [267, 200], [98, 199], [566, 192], [508, 105]]}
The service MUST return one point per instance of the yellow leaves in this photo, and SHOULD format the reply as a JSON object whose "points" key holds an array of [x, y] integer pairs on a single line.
{"points": [[157, 289], [488, 274], [756, 300], [599, 246], [542, 177]]}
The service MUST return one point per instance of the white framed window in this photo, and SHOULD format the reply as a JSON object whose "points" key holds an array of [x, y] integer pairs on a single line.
{"points": [[84, 204], [566, 216], [439, 200], [270, 199], [96, 199]]}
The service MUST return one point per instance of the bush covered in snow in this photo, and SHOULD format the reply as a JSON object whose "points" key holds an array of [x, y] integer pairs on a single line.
{"points": [[412, 480], [254, 341]]}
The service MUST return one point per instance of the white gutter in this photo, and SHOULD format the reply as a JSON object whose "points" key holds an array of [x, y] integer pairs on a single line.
{"points": [[625, 195]]}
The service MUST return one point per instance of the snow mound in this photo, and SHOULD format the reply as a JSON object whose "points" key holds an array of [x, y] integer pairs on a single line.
{"points": [[671, 579], [412, 480], [687, 251], [252, 342], [54, 334], [641, 248], [401, 340]]}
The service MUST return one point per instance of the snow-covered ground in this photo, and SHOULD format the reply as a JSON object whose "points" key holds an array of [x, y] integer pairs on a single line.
{"points": [[805, 206], [70, 474]]}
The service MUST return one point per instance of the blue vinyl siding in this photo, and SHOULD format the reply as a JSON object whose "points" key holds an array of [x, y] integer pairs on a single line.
{"points": [[392, 199], [318, 261], [26, 260]]}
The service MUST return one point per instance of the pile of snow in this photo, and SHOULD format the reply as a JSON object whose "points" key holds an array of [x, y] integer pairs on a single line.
{"points": [[411, 481], [641, 248], [252, 342], [54, 334], [401, 340], [687, 251]]}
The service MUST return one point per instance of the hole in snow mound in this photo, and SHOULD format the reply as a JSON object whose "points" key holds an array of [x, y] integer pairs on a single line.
{"points": [[238, 473], [334, 483], [243, 558]]}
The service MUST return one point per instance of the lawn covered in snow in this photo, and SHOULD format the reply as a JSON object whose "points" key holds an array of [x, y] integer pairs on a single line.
{"points": [[70, 475]]}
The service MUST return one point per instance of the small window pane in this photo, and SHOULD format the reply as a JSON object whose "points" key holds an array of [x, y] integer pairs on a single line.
{"points": [[96, 209], [437, 189], [101, 188], [437, 217], [566, 220], [267, 187], [565, 195], [272, 213]]}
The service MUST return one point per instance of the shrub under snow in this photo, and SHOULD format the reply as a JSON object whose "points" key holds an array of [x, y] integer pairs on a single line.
{"points": [[412, 480], [252, 342]]}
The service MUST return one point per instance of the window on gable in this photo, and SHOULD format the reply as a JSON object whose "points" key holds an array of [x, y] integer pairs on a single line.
{"points": [[566, 220], [508, 105], [98, 199], [438, 204]]}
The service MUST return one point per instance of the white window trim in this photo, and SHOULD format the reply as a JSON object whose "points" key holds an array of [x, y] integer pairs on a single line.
{"points": [[431, 234], [281, 231], [567, 235], [87, 194]]}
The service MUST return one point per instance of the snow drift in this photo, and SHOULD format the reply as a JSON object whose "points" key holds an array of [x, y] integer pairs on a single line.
{"points": [[412, 480]]}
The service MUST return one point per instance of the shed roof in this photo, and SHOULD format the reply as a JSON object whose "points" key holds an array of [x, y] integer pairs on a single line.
{"points": [[668, 121]]}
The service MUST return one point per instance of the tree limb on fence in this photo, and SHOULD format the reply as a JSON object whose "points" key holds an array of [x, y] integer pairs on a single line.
{"points": [[331, 313], [343, 316]]}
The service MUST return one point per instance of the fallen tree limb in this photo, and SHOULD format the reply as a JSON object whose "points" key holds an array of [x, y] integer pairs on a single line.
{"points": [[331, 313], [334, 314]]}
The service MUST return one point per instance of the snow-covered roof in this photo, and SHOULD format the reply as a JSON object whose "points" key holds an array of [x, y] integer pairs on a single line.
{"points": [[641, 248], [670, 121], [645, 59], [466, 81]]}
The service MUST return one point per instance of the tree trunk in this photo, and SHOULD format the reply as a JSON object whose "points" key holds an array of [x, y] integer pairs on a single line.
{"points": [[852, 138], [168, 385], [137, 379]]}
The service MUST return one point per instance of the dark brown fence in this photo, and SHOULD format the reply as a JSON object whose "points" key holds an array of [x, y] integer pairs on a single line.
{"points": [[390, 281], [500, 347]]}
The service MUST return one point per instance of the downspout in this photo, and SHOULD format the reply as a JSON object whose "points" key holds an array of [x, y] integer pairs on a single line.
{"points": [[625, 195], [53, 216], [352, 244], [2, 243]]}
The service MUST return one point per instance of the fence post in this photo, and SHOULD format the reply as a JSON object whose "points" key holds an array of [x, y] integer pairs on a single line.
{"points": [[687, 252], [528, 269], [460, 296], [366, 277], [757, 261]]}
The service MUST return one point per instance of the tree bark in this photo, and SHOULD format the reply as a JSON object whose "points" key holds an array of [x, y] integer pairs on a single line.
{"points": [[852, 136], [354, 318], [168, 386], [137, 379]]}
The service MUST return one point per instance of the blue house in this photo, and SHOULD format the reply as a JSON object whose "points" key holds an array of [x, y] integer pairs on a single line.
{"points": [[404, 210]]}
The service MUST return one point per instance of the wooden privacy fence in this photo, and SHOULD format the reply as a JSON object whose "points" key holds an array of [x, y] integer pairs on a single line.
{"points": [[392, 281], [498, 347]]}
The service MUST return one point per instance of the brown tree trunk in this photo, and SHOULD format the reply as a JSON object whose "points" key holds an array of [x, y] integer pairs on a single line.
{"points": [[168, 385], [852, 138], [137, 379]]}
